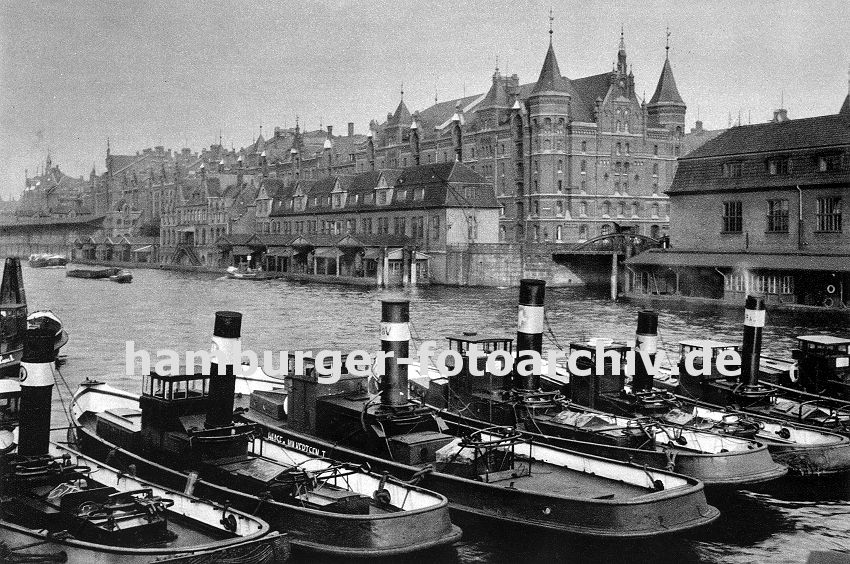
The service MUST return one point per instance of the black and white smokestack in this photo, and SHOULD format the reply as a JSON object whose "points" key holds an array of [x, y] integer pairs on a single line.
{"points": [[529, 336], [395, 338], [226, 342], [36, 376], [754, 316], [646, 342]]}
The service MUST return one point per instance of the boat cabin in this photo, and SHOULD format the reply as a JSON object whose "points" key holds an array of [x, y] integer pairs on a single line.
{"points": [[585, 389], [823, 364], [465, 381], [10, 403]]}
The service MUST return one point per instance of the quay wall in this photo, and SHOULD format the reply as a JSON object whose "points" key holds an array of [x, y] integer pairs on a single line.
{"points": [[475, 264]]}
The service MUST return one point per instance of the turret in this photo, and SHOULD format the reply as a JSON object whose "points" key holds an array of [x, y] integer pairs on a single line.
{"points": [[666, 107], [226, 342], [529, 337], [36, 377]]}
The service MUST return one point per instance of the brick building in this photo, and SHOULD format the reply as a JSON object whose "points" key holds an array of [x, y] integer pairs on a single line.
{"points": [[760, 208], [567, 158], [387, 225]]}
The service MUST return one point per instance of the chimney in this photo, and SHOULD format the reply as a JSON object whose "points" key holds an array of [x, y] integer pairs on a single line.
{"points": [[350, 128], [754, 315], [698, 128], [36, 392], [227, 343], [646, 342], [529, 336], [780, 115], [330, 131], [395, 338]]}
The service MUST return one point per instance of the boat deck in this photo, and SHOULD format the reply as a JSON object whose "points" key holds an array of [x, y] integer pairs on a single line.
{"points": [[546, 478]]}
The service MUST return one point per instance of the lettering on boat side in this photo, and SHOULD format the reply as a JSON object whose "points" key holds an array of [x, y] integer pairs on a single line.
{"points": [[273, 437]]}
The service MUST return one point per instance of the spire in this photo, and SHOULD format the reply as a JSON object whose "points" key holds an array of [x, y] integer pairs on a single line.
{"points": [[550, 79], [621, 52], [667, 47], [666, 91], [845, 108]]}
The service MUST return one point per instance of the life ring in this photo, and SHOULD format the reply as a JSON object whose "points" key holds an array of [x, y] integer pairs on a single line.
{"points": [[830, 289], [828, 302]]}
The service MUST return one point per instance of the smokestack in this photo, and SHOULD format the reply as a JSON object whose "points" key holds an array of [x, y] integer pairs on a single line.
{"points": [[36, 376], [12, 286], [227, 334], [350, 128], [395, 338], [646, 342], [754, 315], [529, 335]]}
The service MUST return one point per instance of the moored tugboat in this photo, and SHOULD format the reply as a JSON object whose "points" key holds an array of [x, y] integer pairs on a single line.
{"points": [[796, 431], [493, 473], [581, 423], [48, 261], [181, 433], [57, 505], [820, 368]]}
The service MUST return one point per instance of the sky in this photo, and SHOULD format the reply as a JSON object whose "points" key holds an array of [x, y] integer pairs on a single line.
{"points": [[145, 73]]}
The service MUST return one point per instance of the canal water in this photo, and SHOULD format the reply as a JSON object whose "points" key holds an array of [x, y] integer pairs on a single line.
{"points": [[783, 522]]}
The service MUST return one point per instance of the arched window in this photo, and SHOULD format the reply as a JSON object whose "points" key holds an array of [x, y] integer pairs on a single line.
{"points": [[560, 165], [547, 125], [606, 208], [558, 233]]}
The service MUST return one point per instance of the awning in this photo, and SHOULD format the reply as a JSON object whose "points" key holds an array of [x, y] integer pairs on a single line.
{"points": [[751, 261], [394, 254], [145, 249], [241, 250], [326, 253], [283, 252]]}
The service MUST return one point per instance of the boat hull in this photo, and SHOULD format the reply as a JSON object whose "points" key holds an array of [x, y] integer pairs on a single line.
{"points": [[271, 549], [726, 469], [337, 534], [670, 512]]}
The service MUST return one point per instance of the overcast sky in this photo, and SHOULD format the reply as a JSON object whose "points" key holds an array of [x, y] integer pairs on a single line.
{"points": [[147, 73]]}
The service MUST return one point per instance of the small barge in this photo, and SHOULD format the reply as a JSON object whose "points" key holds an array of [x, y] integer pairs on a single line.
{"points": [[47, 261]]}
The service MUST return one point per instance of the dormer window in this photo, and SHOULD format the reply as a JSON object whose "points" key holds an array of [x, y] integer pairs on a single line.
{"points": [[419, 194], [778, 166], [829, 163], [382, 197], [401, 195], [731, 170], [337, 200]]}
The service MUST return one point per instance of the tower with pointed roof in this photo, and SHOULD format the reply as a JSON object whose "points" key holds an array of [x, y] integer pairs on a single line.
{"points": [[547, 123], [666, 108]]}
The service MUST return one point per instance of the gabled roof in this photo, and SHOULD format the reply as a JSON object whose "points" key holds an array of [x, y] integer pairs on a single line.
{"points": [[666, 91], [550, 79], [821, 131], [401, 116], [845, 109]]}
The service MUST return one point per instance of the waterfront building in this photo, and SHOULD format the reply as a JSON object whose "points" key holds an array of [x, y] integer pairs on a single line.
{"points": [[759, 208], [387, 226], [568, 159], [197, 210]]}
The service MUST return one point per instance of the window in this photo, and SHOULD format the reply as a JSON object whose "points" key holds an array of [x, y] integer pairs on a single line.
{"points": [[655, 169], [560, 165], [435, 227], [583, 167], [777, 216], [732, 217], [606, 209], [582, 232], [829, 163], [558, 233], [829, 215], [583, 186], [418, 227], [628, 148], [584, 146], [619, 145], [731, 170], [655, 150], [559, 208], [537, 208], [605, 229], [582, 209], [366, 225], [400, 226], [778, 166], [621, 209], [560, 186]]}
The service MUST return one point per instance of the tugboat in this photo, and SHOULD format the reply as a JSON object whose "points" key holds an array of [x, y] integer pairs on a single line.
{"points": [[797, 432], [123, 276], [13, 318], [820, 367], [493, 474], [47, 261], [57, 505], [181, 433], [477, 398]]}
